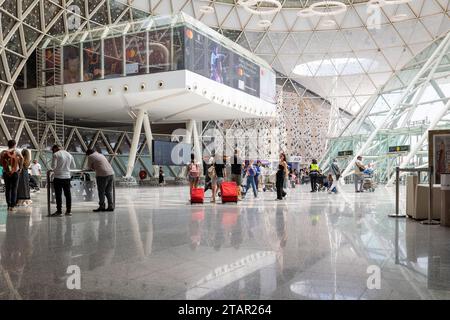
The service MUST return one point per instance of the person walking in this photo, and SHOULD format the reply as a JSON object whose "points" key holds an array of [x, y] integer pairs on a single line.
{"points": [[23, 188], [280, 176], [12, 163], [193, 173], [236, 172], [258, 181], [104, 175], [218, 175], [251, 177], [36, 172], [336, 173], [161, 176], [314, 172], [62, 161], [359, 169]]}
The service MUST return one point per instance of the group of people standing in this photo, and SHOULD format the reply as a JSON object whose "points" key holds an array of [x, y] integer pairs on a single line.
{"points": [[15, 165]]}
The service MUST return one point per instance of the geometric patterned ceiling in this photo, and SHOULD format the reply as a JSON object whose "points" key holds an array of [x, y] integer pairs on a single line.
{"points": [[342, 57]]}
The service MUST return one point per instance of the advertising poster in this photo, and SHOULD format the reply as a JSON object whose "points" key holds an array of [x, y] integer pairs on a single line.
{"points": [[71, 56], [91, 61], [267, 85], [441, 147], [210, 59]]}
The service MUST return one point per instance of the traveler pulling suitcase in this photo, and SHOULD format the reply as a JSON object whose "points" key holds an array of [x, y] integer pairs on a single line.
{"points": [[197, 195], [229, 192]]}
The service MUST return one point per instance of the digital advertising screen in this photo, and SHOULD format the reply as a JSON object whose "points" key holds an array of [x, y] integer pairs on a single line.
{"points": [[167, 153]]}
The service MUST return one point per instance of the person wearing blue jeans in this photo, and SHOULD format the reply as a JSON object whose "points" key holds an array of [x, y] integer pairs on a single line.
{"points": [[251, 174]]}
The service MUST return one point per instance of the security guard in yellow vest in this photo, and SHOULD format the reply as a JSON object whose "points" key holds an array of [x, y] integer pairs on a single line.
{"points": [[314, 172]]}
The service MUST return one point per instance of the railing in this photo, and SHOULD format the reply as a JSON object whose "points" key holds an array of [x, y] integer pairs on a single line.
{"points": [[85, 189]]}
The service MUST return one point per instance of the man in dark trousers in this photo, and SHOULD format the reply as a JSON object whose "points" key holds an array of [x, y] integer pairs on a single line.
{"points": [[105, 179], [12, 162], [62, 162]]}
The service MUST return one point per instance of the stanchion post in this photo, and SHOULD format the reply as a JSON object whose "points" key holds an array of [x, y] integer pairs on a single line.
{"points": [[430, 221], [397, 196], [49, 187]]}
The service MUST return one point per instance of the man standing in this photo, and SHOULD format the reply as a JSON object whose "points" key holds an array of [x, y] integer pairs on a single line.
{"points": [[105, 179], [12, 162], [359, 168], [336, 172], [62, 161], [36, 172]]}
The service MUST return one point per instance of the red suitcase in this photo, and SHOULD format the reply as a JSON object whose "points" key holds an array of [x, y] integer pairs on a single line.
{"points": [[229, 192], [197, 195]]}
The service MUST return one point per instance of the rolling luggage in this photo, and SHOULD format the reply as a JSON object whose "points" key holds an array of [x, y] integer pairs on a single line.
{"points": [[229, 192], [197, 195]]}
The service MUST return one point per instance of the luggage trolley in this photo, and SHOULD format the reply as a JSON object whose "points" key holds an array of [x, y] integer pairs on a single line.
{"points": [[83, 188]]}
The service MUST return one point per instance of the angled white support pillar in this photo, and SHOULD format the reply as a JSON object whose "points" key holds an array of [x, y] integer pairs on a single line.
{"points": [[392, 111], [148, 136], [197, 144], [437, 117], [135, 142], [187, 139]]}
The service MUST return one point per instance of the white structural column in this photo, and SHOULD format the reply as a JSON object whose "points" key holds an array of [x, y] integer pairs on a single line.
{"points": [[393, 109], [148, 136], [187, 139], [135, 142], [197, 143]]}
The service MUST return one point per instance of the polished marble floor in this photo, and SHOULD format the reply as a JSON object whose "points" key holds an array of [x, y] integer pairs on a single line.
{"points": [[157, 246]]}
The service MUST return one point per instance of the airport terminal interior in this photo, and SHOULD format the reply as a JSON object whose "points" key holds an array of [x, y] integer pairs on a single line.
{"points": [[247, 149]]}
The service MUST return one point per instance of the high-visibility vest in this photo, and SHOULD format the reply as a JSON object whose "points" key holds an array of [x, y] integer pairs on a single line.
{"points": [[314, 167]]}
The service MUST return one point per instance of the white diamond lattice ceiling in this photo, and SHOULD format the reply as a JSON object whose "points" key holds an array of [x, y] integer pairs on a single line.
{"points": [[366, 58]]}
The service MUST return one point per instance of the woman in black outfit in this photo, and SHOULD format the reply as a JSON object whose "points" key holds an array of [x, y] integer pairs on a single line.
{"points": [[281, 174]]}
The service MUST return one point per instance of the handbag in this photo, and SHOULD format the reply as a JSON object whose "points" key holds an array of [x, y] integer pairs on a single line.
{"points": [[212, 172]]}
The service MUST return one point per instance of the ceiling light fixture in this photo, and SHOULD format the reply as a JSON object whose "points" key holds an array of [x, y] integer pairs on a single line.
{"points": [[251, 3], [399, 17], [264, 23], [323, 8], [206, 9], [392, 2], [328, 23], [376, 3]]}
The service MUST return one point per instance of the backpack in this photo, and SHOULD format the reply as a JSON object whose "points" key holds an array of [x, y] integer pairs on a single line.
{"points": [[10, 162], [193, 170]]}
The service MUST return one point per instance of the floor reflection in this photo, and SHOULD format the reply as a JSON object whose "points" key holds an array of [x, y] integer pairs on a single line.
{"points": [[156, 246]]}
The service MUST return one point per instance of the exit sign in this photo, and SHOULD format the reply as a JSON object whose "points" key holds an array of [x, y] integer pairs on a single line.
{"points": [[345, 153], [399, 149]]}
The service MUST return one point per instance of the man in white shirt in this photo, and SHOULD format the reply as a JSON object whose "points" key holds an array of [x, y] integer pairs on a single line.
{"points": [[62, 161], [36, 172], [359, 168]]}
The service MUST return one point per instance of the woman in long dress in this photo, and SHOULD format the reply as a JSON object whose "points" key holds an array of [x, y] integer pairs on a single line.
{"points": [[23, 189]]}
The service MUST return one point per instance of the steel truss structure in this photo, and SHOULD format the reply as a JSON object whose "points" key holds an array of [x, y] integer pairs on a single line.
{"points": [[414, 101]]}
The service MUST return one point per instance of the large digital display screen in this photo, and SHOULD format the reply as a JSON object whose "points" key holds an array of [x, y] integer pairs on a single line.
{"points": [[167, 153], [210, 59]]}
